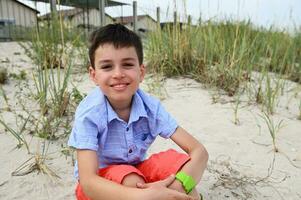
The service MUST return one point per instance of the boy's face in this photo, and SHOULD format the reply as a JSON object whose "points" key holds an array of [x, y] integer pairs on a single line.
{"points": [[118, 73]]}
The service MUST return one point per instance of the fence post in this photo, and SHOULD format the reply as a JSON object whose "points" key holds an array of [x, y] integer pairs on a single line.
{"points": [[175, 18], [135, 16], [37, 22], [54, 18], [102, 12], [158, 17], [189, 20], [53, 6]]}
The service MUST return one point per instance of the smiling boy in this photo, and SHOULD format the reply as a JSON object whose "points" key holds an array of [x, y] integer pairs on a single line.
{"points": [[116, 124], [118, 74]]}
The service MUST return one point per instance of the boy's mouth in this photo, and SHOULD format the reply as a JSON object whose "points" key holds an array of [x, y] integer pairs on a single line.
{"points": [[119, 86]]}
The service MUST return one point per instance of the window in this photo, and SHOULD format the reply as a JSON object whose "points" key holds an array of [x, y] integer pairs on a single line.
{"points": [[5, 22]]}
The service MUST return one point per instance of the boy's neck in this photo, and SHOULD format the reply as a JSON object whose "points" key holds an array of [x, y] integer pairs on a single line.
{"points": [[124, 114], [123, 110]]}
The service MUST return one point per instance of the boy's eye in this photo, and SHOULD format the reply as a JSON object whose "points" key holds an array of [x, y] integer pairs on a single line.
{"points": [[128, 65], [105, 67]]}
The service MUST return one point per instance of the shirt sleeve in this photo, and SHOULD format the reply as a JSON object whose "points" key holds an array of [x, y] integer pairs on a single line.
{"points": [[165, 123], [84, 134]]}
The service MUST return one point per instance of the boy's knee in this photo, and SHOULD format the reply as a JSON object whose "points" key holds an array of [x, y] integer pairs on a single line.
{"points": [[132, 179]]}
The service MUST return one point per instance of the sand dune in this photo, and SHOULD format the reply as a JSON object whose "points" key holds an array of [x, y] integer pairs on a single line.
{"points": [[242, 163]]}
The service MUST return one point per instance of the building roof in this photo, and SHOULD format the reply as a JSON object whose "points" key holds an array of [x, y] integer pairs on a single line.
{"points": [[129, 19], [26, 6], [85, 3], [68, 13]]}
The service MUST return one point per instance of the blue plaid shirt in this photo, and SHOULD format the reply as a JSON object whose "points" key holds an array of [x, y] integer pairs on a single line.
{"points": [[97, 127]]}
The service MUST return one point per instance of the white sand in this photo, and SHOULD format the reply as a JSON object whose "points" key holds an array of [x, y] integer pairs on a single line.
{"points": [[240, 155]]}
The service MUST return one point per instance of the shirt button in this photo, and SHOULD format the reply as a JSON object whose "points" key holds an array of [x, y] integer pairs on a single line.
{"points": [[127, 129], [130, 150]]}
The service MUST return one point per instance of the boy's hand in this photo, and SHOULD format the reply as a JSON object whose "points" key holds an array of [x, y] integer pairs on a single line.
{"points": [[159, 190], [166, 182]]}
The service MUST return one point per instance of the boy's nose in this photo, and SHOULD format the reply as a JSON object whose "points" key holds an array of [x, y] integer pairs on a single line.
{"points": [[118, 72]]}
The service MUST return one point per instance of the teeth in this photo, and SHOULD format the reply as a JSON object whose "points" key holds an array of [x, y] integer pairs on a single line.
{"points": [[119, 86]]}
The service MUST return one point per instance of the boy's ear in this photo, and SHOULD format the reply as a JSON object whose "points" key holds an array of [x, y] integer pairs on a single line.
{"points": [[92, 73], [142, 72]]}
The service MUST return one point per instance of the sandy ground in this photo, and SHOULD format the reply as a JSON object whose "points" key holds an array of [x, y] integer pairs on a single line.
{"points": [[242, 163]]}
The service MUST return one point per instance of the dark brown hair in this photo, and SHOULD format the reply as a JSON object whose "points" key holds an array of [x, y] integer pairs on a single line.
{"points": [[115, 34]]}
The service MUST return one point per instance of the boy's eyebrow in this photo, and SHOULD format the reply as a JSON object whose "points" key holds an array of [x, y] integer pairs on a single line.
{"points": [[108, 60], [130, 59], [104, 61]]}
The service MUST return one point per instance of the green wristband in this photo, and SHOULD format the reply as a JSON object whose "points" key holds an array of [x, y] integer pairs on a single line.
{"points": [[187, 181]]}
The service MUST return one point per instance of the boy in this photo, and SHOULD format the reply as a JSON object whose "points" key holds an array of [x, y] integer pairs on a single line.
{"points": [[117, 122]]}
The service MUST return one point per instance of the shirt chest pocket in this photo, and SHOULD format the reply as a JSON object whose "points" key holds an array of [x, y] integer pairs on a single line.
{"points": [[144, 138], [142, 133]]}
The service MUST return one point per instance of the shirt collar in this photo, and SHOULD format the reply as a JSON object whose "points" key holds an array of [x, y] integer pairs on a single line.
{"points": [[137, 110], [111, 113]]}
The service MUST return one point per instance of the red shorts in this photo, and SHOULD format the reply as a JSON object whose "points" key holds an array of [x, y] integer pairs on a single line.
{"points": [[158, 167]]}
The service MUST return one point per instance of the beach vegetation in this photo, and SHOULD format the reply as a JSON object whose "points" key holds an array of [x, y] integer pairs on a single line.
{"points": [[5, 98], [37, 162], [77, 96], [273, 128], [155, 85], [3, 75], [52, 49], [272, 88], [236, 105], [17, 134], [22, 75], [299, 116], [225, 54]]}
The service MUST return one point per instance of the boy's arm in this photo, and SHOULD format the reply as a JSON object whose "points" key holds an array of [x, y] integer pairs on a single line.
{"points": [[94, 186], [98, 188], [195, 167]]}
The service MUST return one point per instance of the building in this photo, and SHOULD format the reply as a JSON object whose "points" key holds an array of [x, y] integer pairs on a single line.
{"points": [[15, 17], [78, 17], [145, 23]]}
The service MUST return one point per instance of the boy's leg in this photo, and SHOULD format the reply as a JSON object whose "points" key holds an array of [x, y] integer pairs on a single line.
{"points": [[132, 179], [123, 174], [161, 165]]}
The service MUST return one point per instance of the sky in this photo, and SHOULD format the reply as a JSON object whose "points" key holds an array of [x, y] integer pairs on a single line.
{"points": [[278, 13]]}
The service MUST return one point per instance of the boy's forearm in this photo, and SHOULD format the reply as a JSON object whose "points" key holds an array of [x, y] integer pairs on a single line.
{"points": [[195, 167], [98, 188]]}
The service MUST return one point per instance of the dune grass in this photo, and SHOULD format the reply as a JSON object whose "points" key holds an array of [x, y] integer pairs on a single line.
{"points": [[224, 54], [52, 49], [299, 116], [18, 134], [37, 162], [273, 128], [3, 75], [5, 98]]}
